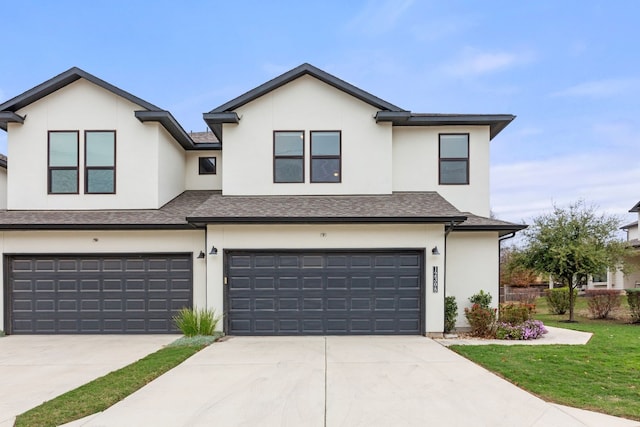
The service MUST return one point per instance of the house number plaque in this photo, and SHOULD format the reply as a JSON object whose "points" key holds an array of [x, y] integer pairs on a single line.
{"points": [[435, 279]]}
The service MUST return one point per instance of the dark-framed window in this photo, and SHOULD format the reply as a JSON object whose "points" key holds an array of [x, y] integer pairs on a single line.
{"points": [[288, 156], [99, 162], [326, 150], [454, 158], [63, 161], [206, 165]]}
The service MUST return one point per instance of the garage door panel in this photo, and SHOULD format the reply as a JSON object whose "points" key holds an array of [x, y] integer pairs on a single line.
{"points": [[98, 293], [324, 293]]}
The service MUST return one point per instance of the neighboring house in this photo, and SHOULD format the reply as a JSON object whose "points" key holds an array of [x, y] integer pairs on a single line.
{"points": [[617, 279], [335, 212]]}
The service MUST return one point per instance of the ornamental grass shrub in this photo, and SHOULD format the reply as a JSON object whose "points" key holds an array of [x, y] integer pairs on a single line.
{"points": [[633, 299], [602, 302], [558, 299], [193, 321]]}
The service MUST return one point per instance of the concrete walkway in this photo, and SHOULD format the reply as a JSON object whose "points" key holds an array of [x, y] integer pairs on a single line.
{"points": [[36, 368], [336, 381], [554, 336]]}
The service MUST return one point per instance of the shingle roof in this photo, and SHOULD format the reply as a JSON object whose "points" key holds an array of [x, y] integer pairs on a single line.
{"points": [[631, 224], [201, 207], [396, 207], [479, 223], [203, 137], [171, 215]]}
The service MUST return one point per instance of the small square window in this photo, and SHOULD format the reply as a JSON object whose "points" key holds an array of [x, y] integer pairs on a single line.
{"points": [[207, 166]]}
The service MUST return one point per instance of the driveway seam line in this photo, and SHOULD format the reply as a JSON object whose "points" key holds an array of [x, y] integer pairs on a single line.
{"points": [[325, 381]]}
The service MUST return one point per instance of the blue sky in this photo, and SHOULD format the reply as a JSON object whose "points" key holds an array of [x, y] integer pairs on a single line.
{"points": [[569, 70]]}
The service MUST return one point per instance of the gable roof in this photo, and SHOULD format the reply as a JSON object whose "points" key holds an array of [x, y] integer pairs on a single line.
{"points": [[635, 208], [150, 113], [388, 112]]}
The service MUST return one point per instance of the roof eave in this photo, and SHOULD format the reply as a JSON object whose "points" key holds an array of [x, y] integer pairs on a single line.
{"points": [[216, 120], [635, 208], [170, 124], [7, 117], [61, 80], [27, 227], [496, 122], [501, 229], [305, 69], [326, 220]]}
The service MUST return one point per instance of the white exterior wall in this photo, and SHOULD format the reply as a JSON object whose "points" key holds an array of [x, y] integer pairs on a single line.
{"points": [[306, 104], [171, 167], [111, 242], [84, 106], [195, 181], [416, 165], [335, 237], [472, 265], [3, 188], [632, 232]]}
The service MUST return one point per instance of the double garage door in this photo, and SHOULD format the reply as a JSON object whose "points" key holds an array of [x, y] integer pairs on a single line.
{"points": [[96, 294], [324, 292]]}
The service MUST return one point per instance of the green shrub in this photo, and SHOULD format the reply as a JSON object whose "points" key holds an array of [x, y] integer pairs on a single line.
{"points": [[516, 313], [482, 299], [633, 299], [558, 299], [602, 301], [481, 320], [450, 313], [193, 321]]}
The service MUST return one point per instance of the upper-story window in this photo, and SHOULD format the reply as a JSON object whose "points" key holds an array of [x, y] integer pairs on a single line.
{"points": [[206, 166], [288, 156], [100, 162], [63, 162], [454, 158], [325, 156]]}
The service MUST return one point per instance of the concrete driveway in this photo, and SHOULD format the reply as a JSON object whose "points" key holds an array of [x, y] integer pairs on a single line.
{"points": [[336, 381], [36, 368]]}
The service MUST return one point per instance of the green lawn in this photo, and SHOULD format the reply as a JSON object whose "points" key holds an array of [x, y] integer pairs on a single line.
{"points": [[105, 391], [602, 376]]}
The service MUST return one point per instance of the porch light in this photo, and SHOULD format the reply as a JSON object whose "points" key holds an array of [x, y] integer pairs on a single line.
{"points": [[214, 251], [201, 255], [435, 251]]}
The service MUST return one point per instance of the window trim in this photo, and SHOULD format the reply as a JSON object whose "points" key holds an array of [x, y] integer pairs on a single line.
{"points": [[296, 157], [452, 159], [329, 157], [52, 168], [215, 165], [88, 168]]}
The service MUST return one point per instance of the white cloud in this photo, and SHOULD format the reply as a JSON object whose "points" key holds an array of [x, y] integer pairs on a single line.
{"points": [[521, 191], [379, 17], [474, 62], [600, 88]]}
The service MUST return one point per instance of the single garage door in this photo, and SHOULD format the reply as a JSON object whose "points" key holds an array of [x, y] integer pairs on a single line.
{"points": [[329, 292], [96, 294]]}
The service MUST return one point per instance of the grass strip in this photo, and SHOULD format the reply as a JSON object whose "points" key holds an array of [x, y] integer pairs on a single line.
{"points": [[602, 376], [105, 391]]}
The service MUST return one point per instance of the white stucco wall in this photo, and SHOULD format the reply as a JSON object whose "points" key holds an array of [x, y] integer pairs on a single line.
{"points": [[632, 232], [171, 167], [306, 104], [472, 265], [416, 165], [195, 181], [335, 237], [78, 242], [3, 188], [84, 106]]}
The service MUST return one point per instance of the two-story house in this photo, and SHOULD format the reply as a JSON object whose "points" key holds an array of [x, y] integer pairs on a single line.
{"points": [[312, 207]]}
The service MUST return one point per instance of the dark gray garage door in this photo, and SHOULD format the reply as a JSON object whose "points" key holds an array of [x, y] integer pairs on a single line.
{"points": [[97, 294], [293, 293]]}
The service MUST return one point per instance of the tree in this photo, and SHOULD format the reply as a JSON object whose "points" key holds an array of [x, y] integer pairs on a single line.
{"points": [[512, 271], [572, 243]]}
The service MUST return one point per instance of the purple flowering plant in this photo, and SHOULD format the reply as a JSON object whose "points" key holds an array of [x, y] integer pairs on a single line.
{"points": [[529, 330]]}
